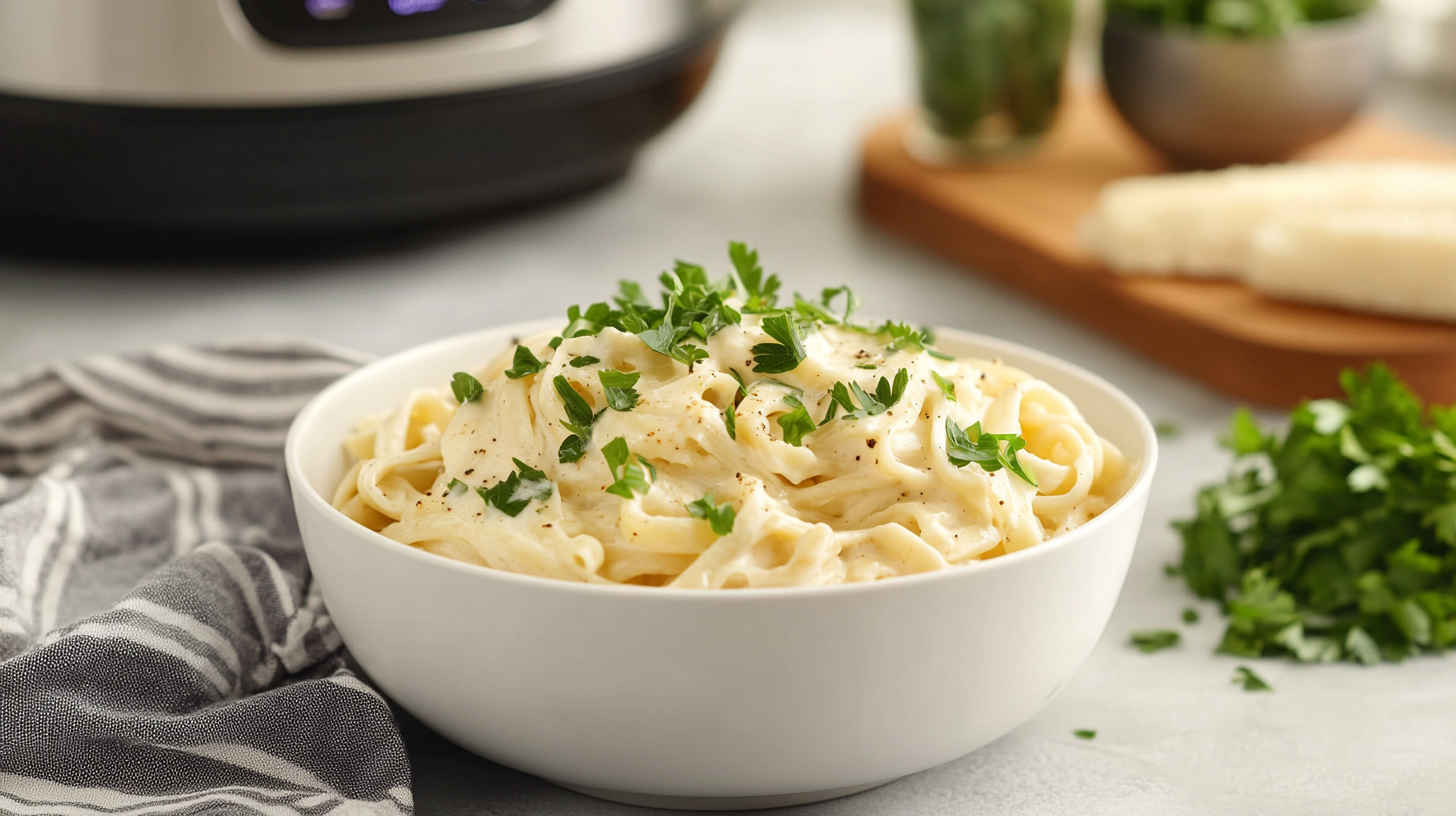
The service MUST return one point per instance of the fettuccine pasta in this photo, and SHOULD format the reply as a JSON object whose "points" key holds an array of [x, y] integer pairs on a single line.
{"points": [[734, 477]]}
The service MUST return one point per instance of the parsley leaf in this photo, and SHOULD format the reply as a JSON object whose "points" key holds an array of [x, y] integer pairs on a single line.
{"points": [[885, 397], [1335, 540], [632, 478], [731, 421], [946, 386], [822, 311], [667, 340], [590, 322], [695, 308], [579, 420], [1251, 682], [466, 388], [621, 396], [903, 337], [886, 394], [785, 355], [526, 364], [851, 301], [759, 292], [738, 378], [719, 517], [971, 444], [512, 494], [456, 487], [797, 423], [1245, 438], [579, 415], [1190, 615], [630, 296], [1085, 733], [812, 311], [1154, 640], [584, 361], [572, 449]]}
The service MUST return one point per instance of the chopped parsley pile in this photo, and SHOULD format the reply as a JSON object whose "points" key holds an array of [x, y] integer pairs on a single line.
{"points": [[694, 308], [1337, 540]]}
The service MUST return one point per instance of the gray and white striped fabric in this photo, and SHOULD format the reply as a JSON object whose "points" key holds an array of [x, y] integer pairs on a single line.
{"points": [[162, 648]]}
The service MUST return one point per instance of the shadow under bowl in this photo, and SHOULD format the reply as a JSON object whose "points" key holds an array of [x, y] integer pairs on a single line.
{"points": [[1211, 103]]}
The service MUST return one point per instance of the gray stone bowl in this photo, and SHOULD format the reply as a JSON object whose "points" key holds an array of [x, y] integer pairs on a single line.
{"points": [[1211, 103]]}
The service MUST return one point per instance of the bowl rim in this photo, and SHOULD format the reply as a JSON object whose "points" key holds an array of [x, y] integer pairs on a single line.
{"points": [[300, 486], [1350, 25]]}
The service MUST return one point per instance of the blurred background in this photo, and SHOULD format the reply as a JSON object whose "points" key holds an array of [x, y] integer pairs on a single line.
{"points": [[381, 174], [154, 192]]}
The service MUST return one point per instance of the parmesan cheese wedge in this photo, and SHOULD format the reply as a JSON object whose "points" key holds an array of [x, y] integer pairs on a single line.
{"points": [[1391, 261], [1203, 224]]}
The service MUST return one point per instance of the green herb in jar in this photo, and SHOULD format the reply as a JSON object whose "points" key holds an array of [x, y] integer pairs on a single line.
{"points": [[990, 70]]}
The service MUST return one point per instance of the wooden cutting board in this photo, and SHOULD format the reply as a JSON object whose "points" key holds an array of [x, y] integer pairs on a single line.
{"points": [[1016, 223]]}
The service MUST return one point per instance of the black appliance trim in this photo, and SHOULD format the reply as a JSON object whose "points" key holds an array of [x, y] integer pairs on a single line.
{"points": [[351, 167], [287, 22]]}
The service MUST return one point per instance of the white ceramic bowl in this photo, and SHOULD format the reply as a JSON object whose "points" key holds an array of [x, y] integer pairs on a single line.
{"points": [[711, 699]]}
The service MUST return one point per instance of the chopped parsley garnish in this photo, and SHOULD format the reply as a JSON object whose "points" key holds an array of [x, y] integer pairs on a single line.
{"points": [[1155, 640], [903, 337], [629, 478], [466, 388], [630, 296], [787, 353], [1250, 681], [572, 449], [1190, 615], [823, 311], [1167, 429], [797, 423], [719, 517], [512, 494], [884, 398], [526, 364], [742, 389], [812, 311], [1336, 540], [759, 293], [964, 446], [946, 386], [456, 487], [1085, 733], [621, 396], [851, 301], [579, 420], [694, 309], [666, 340]]}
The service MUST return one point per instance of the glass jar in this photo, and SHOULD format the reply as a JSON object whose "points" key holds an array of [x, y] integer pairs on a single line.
{"points": [[990, 75]]}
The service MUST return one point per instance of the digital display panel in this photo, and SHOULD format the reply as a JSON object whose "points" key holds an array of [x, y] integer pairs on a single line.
{"points": [[323, 23]]}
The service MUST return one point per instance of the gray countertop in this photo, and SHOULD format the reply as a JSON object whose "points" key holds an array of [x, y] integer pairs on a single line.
{"points": [[768, 156]]}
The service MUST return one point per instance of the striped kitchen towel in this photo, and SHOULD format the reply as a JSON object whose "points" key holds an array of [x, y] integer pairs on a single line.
{"points": [[162, 648]]}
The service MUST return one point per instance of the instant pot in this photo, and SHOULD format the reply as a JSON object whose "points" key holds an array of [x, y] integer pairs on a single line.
{"points": [[287, 116]]}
